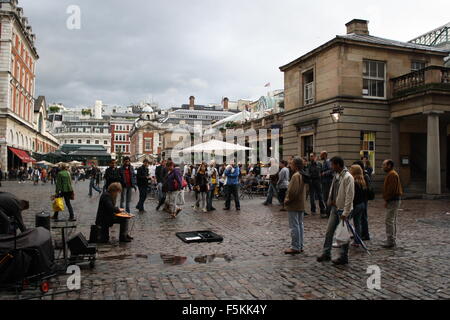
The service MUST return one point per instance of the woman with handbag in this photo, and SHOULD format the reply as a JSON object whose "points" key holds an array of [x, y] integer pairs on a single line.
{"points": [[201, 187], [359, 200], [64, 190]]}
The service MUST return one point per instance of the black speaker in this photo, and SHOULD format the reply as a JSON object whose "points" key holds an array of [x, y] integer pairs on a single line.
{"points": [[43, 220], [78, 245]]}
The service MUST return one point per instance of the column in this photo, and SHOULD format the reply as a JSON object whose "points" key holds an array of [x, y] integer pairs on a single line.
{"points": [[433, 154], [395, 142]]}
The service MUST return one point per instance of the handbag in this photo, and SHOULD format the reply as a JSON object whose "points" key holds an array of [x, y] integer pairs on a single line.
{"points": [[72, 196], [58, 205]]}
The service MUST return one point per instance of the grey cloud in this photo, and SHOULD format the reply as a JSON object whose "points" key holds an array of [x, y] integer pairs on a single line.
{"points": [[167, 50]]}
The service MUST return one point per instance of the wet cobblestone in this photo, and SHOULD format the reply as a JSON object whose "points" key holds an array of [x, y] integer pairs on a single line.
{"points": [[255, 238]]}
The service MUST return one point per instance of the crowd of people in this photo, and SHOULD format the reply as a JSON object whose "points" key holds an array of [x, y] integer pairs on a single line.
{"points": [[341, 193]]}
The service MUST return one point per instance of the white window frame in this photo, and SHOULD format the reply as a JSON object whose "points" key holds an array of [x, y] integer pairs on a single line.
{"points": [[309, 87], [371, 78]]}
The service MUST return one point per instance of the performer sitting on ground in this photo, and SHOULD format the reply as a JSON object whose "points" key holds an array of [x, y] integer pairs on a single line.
{"points": [[107, 214]]}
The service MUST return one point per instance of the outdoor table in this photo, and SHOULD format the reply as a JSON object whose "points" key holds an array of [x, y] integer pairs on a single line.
{"points": [[64, 226]]}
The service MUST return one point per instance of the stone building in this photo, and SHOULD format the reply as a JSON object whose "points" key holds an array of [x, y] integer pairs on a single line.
{"points": [[22, 117], [361, 95]]}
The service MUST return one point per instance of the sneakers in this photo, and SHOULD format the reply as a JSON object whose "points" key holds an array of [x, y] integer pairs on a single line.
{"points": [[204, 210], [336, 245], [340, 261], [323, 258], [72, 219]]}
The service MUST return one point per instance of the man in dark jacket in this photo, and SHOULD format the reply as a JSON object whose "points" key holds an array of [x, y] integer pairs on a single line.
{"points": [[142, 183], [128, 181], [326, 179], [112, 175], [11, 207], [161, 176], [315, 188]]}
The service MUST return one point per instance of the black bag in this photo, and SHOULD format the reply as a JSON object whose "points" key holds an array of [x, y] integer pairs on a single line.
{"points": [[94, 235], [306, 177]]}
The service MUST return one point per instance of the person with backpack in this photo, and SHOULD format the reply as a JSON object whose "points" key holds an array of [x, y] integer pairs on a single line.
{"points": [[173, 187], [112, 175], [315, 187]]}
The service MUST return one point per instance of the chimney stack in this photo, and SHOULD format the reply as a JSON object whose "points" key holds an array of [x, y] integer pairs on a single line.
{"points": [[225, 104], [191, 103], [358, 26]]}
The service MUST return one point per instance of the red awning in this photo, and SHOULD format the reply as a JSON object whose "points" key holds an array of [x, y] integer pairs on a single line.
{"points": [[22, 155]]}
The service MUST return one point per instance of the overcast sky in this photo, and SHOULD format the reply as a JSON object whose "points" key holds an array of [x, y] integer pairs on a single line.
{"points": [[167, 50]]}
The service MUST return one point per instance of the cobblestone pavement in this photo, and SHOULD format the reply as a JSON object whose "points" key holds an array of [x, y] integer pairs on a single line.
{"points": [[250, 263]]}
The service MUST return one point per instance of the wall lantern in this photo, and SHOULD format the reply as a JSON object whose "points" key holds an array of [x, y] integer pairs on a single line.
{"points": [[337, 113]]}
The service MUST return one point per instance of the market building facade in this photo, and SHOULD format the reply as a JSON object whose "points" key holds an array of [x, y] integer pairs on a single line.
{"points": [[360, 95], [22, 117]]}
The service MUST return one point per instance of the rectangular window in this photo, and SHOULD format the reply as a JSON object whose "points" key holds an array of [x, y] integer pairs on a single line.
{"points": [[97, 141], [148, 144], [308, 88], [417, 65], [368, 147], [79, 142], [105, 142], [88, 141], [374, 79]]}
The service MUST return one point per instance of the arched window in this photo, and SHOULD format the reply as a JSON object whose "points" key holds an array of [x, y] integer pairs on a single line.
{"points": [[17, 139], [11, 137]]}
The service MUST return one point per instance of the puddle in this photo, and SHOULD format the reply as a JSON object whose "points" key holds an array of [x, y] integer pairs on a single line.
{"points": [[170, 260]]}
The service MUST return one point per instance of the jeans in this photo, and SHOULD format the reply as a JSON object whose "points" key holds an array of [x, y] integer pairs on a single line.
{"points": [[365, 235], [126, 192], [172, 201], [209, 204], [67, 196], [333, 222], [391, 220], [356, 215], [161, 195], [282, 195], [315, 191], [232, 189], [271, 192], [201, 200], [93, 186], [297, 229], [143, 190]]}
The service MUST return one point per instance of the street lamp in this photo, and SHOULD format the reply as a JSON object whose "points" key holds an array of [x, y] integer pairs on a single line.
{"points": [[337, 113]]}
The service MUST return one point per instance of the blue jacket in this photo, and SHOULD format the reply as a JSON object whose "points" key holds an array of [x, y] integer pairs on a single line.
{"points": [[232, 178]]}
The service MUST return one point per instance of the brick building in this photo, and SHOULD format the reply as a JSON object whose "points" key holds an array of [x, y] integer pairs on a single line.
{"points": [[22, 117]]}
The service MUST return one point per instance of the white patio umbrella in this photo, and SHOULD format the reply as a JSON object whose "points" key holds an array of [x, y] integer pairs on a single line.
{"points": [[45, 163], [217, 147], [75, 163]]}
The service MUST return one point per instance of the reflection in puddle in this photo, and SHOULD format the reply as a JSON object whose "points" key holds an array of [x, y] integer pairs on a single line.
{"points": [[166, 259]]}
